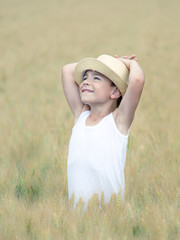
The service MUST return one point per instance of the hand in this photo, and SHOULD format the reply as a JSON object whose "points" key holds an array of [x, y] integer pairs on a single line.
{"points": [[127, 60], [132, 57]]}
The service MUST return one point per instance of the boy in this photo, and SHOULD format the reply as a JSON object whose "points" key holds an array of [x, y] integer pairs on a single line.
{"points": [[103, 95]]}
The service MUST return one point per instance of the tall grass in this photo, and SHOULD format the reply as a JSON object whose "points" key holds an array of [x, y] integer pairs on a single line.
{"points": [[37, 39]]}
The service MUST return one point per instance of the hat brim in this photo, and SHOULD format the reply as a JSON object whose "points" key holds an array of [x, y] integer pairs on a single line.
{"points": [[96, 65]]}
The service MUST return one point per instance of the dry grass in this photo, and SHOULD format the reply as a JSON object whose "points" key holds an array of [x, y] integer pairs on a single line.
{"points": [[36, 39]]}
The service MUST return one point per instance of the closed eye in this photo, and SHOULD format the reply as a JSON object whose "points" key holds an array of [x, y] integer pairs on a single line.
{"points": [[84, 78], [97, 78]]}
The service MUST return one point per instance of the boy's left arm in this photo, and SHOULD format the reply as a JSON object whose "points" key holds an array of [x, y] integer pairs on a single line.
{"points": [[129, 103]]}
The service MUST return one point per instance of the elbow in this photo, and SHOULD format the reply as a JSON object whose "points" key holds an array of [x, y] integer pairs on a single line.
{"points": [[65, 71], [69, 68], [137, 83], [65, 68], [140, 80]]}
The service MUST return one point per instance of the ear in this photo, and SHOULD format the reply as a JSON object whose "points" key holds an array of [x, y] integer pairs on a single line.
{"points": [[115, 94]]}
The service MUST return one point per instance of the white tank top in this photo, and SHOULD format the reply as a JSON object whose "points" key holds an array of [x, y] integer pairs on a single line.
{"points": [[96, 160]]}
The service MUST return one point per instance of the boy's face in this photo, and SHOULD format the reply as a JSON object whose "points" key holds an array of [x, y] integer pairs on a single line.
{"points": [[95, 88]]}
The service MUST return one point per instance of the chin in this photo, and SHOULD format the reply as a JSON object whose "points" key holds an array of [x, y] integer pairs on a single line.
{"points": [[85, 100]]}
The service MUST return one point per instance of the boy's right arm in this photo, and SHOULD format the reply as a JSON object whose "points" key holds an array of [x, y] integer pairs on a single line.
{"points": [[71, 90]]}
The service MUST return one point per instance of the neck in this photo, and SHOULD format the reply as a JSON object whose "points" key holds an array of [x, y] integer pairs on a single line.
{"points": [[99, 113]]}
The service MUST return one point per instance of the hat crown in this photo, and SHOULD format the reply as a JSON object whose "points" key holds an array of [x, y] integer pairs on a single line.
{"points": [[116, 66]]}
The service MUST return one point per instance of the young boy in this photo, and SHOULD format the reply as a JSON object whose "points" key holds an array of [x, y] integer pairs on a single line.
{"points": [[103, 94]]}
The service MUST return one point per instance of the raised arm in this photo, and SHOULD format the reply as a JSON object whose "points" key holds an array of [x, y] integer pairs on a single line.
{"points": [[71, 90], [129, 103]]}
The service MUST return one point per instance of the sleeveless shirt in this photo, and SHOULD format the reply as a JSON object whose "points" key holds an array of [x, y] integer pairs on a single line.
{"points": [[96, 160]]}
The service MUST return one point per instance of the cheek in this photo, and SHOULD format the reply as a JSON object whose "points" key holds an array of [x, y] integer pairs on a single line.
{"points": [[80, 85]]}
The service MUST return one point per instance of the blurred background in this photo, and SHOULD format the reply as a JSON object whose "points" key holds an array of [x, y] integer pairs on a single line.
{"points": [[37, 38]]}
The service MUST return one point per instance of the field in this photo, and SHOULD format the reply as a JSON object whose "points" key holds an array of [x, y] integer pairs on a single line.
{"points": [[36, 39]]}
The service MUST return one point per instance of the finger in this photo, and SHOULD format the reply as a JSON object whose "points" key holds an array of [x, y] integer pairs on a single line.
{"points": [[135, 59], [132, 56], [116, 56], [126, 57]]}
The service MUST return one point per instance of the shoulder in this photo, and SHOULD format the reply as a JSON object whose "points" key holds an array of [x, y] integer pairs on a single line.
{"points": [[85, 108], [82, 117]]}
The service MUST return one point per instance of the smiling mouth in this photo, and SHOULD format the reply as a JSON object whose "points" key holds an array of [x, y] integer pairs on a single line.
{"points": [[87, 90]]}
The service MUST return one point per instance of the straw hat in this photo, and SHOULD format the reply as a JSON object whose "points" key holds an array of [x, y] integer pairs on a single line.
{"points": [[109, 66]]}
